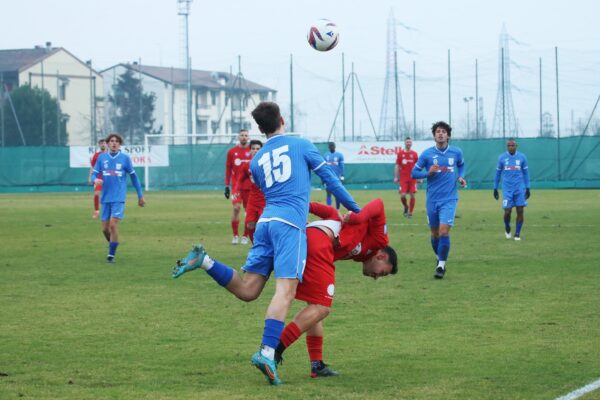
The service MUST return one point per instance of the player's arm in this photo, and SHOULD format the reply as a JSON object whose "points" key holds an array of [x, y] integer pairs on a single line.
{"points": [[396, 172], [95, 171], [136, 183], [317, 163], [228, 169], [499, 167], [419, 171], [525, 170], [323, 211], [371, 211], [461, 170]]}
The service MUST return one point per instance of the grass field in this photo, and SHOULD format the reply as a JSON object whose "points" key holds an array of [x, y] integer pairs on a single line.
{"points": [[511, 320]]}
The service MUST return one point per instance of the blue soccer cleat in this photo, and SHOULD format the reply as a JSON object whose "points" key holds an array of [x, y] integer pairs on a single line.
{"points": [[191, 262], [267, 367]]}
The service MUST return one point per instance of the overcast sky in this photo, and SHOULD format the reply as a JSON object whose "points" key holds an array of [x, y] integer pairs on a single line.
{"points": [[265, 32]]}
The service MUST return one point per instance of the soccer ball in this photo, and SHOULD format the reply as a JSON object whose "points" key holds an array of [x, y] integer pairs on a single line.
{"points": [[323, 35]]}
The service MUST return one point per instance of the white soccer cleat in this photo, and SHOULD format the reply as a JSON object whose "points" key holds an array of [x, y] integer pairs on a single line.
{"points": [[508, 235], [244, 240], [235, 240], [517, 237]]}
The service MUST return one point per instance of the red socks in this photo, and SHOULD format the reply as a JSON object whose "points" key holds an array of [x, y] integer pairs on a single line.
{"points": [[96, 202], [290, 334], [412, 205], [404, 203], [235, 227], [315, 347]]}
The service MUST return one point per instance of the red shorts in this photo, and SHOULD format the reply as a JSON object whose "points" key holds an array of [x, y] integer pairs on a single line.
{"points": [[408, 186], [318, 281], [254, 209], [240, 196]]}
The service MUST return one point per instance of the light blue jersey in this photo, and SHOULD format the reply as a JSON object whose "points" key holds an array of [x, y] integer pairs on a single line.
{"points": [[114, 169], [514, 170], [336, 161], [441, 186], [282, 171]]}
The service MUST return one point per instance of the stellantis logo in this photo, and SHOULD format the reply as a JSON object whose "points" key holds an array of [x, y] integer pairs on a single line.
{"points": [[378, 150]]}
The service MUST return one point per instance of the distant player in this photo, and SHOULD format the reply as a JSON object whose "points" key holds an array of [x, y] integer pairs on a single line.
{"points": [[256, 198], [238, 158], [512, 165], [282, 171], [97, 188], [442, 165], [335, 160], [405, 162], [114, 167], [362, 238]]}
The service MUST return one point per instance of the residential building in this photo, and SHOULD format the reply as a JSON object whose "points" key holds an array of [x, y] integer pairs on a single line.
{"points": [[76, 85], [221, 102]]}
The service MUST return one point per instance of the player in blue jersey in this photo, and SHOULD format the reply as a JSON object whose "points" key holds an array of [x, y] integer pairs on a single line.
{"points": [[282, 171], [513, 167], [114, 167], [443, 165], [335, 160]]}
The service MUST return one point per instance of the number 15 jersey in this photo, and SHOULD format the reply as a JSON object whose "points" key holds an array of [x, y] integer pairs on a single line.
{"points": [[282, 171]]}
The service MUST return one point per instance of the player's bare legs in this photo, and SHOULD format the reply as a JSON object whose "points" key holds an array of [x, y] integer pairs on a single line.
{"points": [[285, 291], [235, 222]]}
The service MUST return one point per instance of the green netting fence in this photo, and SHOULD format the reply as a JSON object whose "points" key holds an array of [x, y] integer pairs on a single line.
{"points": [[572, 162]]}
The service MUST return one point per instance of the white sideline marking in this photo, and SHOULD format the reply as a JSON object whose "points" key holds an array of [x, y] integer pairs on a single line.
{"points": [[590, 387]]}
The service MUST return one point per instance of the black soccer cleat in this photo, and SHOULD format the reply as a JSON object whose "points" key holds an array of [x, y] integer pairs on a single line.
{"points": [[110, 259], [320, 369], [439, 272]]}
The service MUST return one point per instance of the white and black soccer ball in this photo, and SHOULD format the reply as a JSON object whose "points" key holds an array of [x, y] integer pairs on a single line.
{"points": [[323, 35]]}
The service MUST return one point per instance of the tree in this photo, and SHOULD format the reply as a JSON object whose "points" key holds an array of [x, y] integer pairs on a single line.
{"points": [[39, 129], [129, 119]]}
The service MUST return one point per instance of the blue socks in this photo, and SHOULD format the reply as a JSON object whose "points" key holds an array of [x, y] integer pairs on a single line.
{"points": [[435, 244], [221, 273], [443, 248], [112, 248], [272, 332], [328, 199], [518, 231], [507, 224]]}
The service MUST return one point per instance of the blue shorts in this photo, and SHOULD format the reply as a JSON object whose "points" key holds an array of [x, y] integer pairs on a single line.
{"points": [[113, 210], [441, 212], [280, 247], [513, 198]]}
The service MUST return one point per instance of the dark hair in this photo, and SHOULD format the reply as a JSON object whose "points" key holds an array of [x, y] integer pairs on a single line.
{"points": [[243, 130], [267, 116], [443, 125], [407, 138], [114, 135], [392, 258], [255, 141], [102, 140]]}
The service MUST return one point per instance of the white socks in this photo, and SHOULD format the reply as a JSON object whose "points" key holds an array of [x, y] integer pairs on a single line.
{"points": [[267, 352], [207, 263]]}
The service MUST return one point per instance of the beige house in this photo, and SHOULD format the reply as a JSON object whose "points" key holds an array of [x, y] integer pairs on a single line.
{"points": [[78, 87], [221, 102]]}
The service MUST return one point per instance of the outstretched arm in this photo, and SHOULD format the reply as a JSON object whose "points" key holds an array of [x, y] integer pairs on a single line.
{"points": [[334, 185], [324, 211]]}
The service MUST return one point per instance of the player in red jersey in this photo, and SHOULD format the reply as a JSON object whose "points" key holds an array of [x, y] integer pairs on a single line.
{"points": [[362, 237], [402, 174], [256, 198], [238, 159], [97, 187]]}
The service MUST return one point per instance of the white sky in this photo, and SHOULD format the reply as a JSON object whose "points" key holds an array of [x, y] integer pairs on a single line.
{"points": [[265, 32]]}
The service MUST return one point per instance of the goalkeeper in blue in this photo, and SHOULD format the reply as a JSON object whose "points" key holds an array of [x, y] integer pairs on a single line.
{"points": [[282, 170], [114, 167], [443, 165], [514, 170]]}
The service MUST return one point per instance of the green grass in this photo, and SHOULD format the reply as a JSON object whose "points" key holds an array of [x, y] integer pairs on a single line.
{"points": [[511, 320]]}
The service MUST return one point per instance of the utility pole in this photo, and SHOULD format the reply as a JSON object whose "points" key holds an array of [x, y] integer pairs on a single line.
{"points": [[292, 91]]}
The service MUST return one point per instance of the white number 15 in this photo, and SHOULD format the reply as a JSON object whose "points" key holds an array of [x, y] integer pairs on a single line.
{"points": [[280, 170]]}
